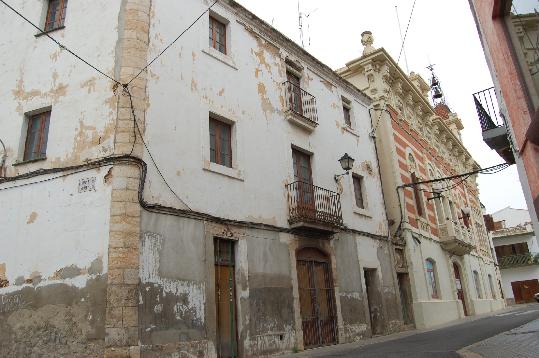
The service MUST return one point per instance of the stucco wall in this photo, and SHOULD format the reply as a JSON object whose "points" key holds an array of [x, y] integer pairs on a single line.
{"points": [[245, 87], [54, 257], [517, 274], [55, 235]]}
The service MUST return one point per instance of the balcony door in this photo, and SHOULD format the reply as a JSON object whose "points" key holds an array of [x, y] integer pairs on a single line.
{"points": [[304, 181], [294, 93]]}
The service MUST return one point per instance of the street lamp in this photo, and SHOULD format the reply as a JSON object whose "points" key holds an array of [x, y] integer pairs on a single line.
{"points": [[347, 163], [466, 216]]}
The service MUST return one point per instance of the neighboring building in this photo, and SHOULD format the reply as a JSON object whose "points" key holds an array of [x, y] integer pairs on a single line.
{"points": [[439, 226], [251, 246], [517, 252], [508, 112]]}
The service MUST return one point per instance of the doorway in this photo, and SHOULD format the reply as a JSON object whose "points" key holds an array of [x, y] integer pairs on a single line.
{"points": [[460, 290], [523, 291], [316, 298], [374, 299], [406, 297], [225, 298]]}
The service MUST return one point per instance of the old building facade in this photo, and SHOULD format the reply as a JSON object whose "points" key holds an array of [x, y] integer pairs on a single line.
{"points": [[508, 111], [517, 252], [197, 206], [445, 258]]}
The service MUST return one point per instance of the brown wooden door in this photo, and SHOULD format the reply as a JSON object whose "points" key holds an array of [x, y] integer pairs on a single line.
{"points": [[317, 299], [304, 189], [225, 297], [294, 93], [460, 290], [523, 291]]}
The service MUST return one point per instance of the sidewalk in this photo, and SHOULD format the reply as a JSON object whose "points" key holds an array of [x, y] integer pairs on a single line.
{"points": [[521, 342], [341, 348]]}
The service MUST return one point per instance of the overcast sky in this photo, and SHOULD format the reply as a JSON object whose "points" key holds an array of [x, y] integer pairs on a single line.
{"points": [[441, 32]]}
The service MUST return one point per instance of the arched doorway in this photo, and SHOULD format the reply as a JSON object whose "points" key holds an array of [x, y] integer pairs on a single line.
{"points": [[316, 298], [460, 289]]}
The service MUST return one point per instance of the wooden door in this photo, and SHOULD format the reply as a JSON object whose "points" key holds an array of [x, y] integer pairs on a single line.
{"points": [[460, 290], [294, 93], [225, 298], [304, 184], [317, 299], [523, 291]]}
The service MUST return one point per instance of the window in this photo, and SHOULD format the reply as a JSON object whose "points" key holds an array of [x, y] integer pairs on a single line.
{"points": [[492, 289], [358, 190], [477, 284], [36, 136], [347, 112], [56, 14], [431, 278], [220, 143], [417, 196], [217, 35], [520, 248]]}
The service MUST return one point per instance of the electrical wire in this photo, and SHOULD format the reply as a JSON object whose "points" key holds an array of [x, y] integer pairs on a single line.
{"points": [[62, 46], [173, 42], [153, 207], [135, 125], [406, 32]]}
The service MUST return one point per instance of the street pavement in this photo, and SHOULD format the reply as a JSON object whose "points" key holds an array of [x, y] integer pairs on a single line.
{"points": [[521, 342], [446, 341]]}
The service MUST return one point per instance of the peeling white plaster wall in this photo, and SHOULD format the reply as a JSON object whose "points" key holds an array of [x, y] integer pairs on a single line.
{"points": [[193, 291], [245, 87], [46, 227], [49, 226]]}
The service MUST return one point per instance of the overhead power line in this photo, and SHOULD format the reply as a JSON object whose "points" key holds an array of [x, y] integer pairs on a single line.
{"points": [[173, 42], [406, 32], [62, 46]]}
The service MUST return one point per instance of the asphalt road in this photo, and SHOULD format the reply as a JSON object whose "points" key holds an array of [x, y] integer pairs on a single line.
{"points": [[444, 342]]}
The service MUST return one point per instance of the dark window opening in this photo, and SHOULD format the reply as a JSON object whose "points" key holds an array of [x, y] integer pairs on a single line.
{"points": [[36, 136], [220, 143], [217, 35], [56, 14], [358, 191]]}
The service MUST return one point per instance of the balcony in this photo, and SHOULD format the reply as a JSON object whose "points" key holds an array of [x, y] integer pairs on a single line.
{"points": [[300, 107], [495, 131], [313, 210], [520, 260], [455, 239]]}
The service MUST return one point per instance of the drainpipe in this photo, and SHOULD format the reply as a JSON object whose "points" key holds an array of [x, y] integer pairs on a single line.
{"points": [[3, 159]]}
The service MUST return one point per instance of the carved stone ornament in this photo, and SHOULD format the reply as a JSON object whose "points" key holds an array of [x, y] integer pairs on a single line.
{"points": [[367, 40]]}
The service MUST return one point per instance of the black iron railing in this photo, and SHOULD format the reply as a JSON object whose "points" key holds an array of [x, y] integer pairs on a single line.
{"points": [[526, 259], [310, 203], [301, 102], [486, 105]]}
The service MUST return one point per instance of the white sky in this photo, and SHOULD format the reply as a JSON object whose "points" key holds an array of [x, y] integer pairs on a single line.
{"points": [[441, 32]]}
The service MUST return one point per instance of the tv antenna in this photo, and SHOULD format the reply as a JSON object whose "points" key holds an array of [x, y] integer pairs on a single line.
{"points": [[301, 16]]}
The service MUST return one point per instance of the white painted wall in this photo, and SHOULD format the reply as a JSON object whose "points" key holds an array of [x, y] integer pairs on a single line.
{"points": [[512, 217], [48, 226], [191, 80], [518, 274]]}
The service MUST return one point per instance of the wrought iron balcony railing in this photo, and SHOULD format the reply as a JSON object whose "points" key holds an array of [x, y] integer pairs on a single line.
{"points": [[530, 258], [301, 102], [486, 104], [493, 126], [308, 203]]}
